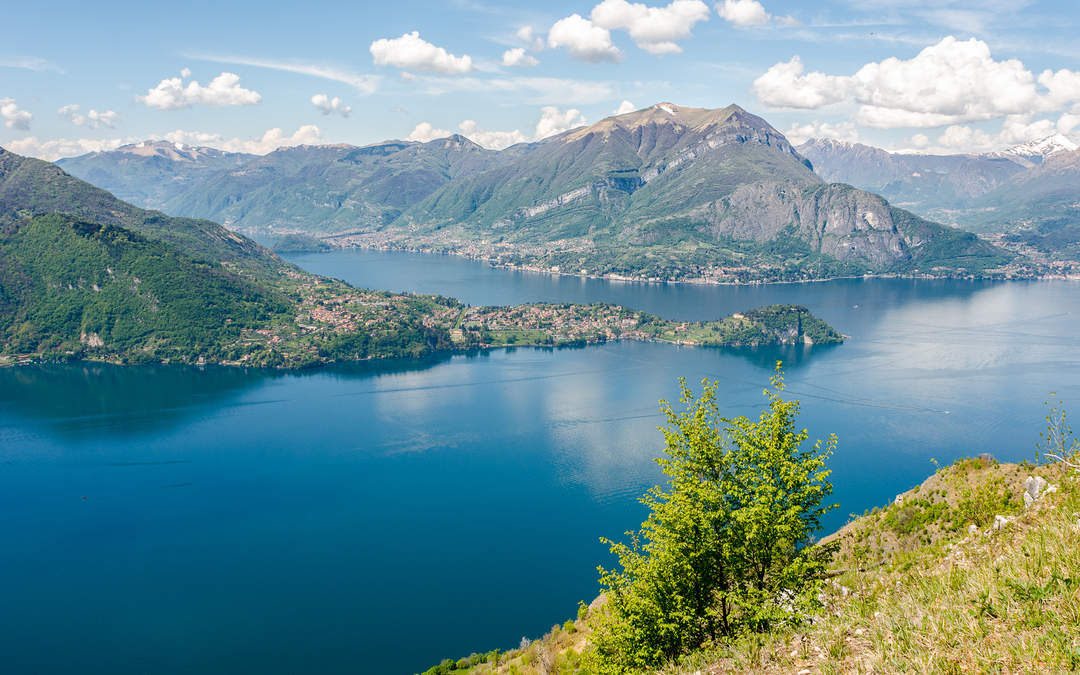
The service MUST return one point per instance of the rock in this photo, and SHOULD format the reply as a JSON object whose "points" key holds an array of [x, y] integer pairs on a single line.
{"points": [[973, 528], [1033, 489], [986, 458], [898, 500], [1001, 521]]}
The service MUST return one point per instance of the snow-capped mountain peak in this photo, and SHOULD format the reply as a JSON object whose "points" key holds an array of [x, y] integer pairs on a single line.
{"points": [[1043, 147]]}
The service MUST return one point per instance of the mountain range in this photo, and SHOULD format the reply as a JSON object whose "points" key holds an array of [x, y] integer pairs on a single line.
{"points": [[664, 192], [1028, 194]]}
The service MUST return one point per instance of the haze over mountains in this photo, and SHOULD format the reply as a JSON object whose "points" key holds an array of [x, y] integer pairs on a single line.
{"points": [[667, 191]]}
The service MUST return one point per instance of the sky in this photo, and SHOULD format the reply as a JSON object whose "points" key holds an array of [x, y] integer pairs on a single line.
{"points": [[939, 76]]}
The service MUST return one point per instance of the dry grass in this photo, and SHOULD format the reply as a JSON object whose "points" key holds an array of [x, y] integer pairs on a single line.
{"points": [[916, 591]]}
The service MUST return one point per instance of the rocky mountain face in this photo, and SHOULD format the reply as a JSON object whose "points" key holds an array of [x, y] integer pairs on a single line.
{"points": [[1029, 193], [151, 173]]}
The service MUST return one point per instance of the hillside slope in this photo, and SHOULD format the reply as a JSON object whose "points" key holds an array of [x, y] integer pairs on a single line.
{"points": [[955, 575]]}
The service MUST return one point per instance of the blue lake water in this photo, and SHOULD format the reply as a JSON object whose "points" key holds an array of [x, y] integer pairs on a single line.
{"points": [[377, 518]]}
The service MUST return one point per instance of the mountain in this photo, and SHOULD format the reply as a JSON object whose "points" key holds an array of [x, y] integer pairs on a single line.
{"points": [[666, 192], [1028, 195], [151, 173], [671, 192], [1034, 152], [1039, 208], [330, 188], [930, 185]]}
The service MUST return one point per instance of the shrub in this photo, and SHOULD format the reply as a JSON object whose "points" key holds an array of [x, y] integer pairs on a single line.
{"points": [[726, 547]]}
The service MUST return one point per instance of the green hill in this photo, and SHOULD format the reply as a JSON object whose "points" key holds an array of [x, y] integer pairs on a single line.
{"points": [[958, 574]]}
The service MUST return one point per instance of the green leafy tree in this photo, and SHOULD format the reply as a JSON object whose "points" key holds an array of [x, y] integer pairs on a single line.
{"points": [[728, 544]]}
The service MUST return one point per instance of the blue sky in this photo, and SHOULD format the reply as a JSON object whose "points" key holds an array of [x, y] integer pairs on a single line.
{"points": [[930, 75]]}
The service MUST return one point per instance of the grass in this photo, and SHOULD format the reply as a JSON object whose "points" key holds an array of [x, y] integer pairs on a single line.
{"points": [[915, 589]]}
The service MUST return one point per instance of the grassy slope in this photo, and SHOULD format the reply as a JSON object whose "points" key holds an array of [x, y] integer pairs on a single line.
{"points": [[113, 285], [915, 590]]}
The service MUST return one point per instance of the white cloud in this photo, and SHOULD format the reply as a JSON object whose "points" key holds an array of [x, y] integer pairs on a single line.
{"points": [[496, 140], [29, 63], [365, 84], [411, 51], [172, 94], [13, 116], [625, 107], [787, 85], [527, 35], [53, 150], [844, 131], [552, 121], [951, 82], [654, 29], [329, 105], [425, 132], [269, 141], [1068, 122], [92, 119], [583, 39], [518, 57], [743, 12]]}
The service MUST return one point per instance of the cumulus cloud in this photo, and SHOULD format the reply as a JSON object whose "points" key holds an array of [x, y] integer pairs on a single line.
{"points": [[327, 105], [1068, 122], [413, 52], [92, 119], [552, 121], [528, 35], [951, 82], [518, 57], [224, 90], [496, 140], [654, 29], [583, 39], [271, 139], [425, 132], [743, 12], [625, 107], [788, 85], [14, 117], [53, 150], [844, 131]]}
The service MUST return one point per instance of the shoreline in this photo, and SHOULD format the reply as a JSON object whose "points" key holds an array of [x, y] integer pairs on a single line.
{"points": [[493, 261]]}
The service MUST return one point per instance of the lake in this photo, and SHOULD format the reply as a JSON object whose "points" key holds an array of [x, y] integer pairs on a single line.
{"points": [[380, 517]]}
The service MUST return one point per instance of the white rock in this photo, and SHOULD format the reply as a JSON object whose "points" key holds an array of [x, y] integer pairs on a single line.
{"points": [[898, 500], [973, 528], [1001, 521], [1033, 489]]}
